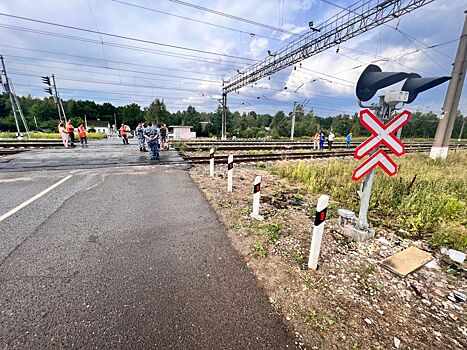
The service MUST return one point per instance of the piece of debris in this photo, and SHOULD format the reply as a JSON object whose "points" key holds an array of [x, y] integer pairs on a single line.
{"points": [[433, 265], [367, 320], [397, 343], [457, 256], [461, 297], [406, 261]]}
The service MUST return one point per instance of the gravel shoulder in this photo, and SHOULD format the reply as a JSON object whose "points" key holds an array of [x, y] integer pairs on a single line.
{"points": [[350, 302]]}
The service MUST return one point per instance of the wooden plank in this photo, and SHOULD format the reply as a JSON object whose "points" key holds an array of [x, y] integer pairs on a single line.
{"points": [[406, 261]]}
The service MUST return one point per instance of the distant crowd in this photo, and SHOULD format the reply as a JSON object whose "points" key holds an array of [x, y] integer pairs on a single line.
{"points": [[319, 139], [67, 131], [152, 136]]}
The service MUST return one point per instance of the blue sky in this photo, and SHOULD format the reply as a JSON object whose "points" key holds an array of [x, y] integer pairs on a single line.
{"points": [[109, 69]]}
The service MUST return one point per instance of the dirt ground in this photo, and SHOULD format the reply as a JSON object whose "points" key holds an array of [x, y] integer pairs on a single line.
{"points": [[350, 302]]}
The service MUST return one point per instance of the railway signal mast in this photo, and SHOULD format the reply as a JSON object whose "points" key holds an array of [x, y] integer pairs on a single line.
{"points": [[15, 106], [358, 18], [51, 89], [371, 80]]}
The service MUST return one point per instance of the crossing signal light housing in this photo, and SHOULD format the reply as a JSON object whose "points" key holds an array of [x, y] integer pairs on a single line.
{"points": [[46, 80], [373, 78], [49, 90], [416, 84]]}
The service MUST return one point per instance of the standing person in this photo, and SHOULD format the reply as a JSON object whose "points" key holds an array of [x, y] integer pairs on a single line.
{"points": [[70, 129], [83, 136], [123, 133], [63, 133], [321, 141], [152, 135], [164, 135], [316, 141], [347, 140], [330, 139], [139, 131]]}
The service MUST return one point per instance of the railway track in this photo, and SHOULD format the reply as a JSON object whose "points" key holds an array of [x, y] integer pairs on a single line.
{"points": [[30, 144], [254, 147], [248, 158], [7, 152]]}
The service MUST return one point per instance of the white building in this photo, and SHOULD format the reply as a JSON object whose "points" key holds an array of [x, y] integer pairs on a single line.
{"points": [[101, 127], [182, 132]]}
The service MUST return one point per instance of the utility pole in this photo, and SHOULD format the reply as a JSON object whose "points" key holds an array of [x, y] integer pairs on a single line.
{"points": [[293, 121], [15, 106], [443, 134], [59, 101], [462, 130], [224, 115]]}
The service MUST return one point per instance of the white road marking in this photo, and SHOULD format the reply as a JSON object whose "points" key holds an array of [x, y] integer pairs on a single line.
{"points": [[15, 180], [29, 201]]}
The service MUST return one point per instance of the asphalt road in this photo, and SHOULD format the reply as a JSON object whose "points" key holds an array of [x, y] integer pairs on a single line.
{"points": [[124, 258]]}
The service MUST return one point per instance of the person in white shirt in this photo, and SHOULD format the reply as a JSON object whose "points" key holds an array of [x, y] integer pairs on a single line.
{"points": [[330, 139]]}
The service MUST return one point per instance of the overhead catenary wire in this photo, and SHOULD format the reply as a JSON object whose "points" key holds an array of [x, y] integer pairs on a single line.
{"points": [[107, 68], [198, 21], [122, 36], [245, 20]]}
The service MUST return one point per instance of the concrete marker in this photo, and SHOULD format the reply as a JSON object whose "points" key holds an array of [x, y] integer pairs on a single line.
{"points": [[320, 217], [230, 165], [256, 198], [211, 162]]}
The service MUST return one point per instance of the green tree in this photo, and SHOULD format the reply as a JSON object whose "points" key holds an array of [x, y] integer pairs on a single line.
{"points": [[157, 112]]}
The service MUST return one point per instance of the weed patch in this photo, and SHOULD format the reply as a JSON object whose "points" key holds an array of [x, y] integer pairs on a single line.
{"points": [[425, 200]]}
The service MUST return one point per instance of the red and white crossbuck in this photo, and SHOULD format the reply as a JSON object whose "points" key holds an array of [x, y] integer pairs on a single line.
{"points": [[381, 134]]}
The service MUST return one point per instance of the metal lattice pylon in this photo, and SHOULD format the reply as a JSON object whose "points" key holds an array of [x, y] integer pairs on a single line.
{"points": [[358, 18]]}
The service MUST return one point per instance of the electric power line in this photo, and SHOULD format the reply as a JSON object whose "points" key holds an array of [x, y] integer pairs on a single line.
{"points": [[198, 21], [121, 36], [219, 13]]}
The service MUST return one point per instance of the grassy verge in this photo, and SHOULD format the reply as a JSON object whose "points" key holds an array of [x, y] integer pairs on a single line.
{"points": [[425, 200], [49, 135]]}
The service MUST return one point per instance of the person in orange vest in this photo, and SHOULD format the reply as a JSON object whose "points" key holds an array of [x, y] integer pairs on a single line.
{"points": [[70, 129], [123, 133], [82, 135]]}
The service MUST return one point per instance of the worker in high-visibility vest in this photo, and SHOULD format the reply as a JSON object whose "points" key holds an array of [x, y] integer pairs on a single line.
{"points": [[70, 129], [123, 133], [83, 136]]}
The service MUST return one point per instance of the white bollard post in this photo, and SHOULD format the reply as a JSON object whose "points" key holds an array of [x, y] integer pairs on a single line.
{"points": [[256, 197], [230, 166], [211, 162], [321, 210]]}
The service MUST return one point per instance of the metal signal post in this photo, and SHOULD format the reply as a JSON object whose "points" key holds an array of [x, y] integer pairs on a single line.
{"points": [[15, 106]]}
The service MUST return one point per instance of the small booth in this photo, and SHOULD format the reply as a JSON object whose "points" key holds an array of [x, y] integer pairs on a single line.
{"points": [[182, 132]]}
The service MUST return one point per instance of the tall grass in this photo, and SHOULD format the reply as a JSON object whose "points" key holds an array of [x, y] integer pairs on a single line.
{"points": [[425, 200]]}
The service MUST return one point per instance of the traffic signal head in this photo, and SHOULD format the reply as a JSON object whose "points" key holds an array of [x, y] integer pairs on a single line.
{"points": [[46, 80], [49, 90], [373, 78], [416, 84]]}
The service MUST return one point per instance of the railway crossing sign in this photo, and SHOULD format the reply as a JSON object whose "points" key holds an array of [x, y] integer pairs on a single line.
{"points": [[380, 158], [381, 134]]}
